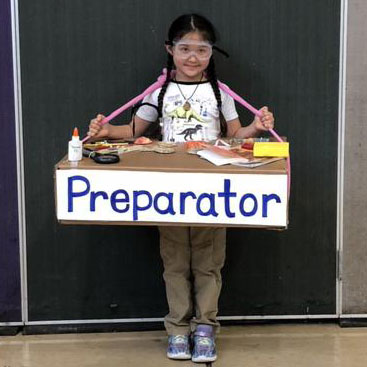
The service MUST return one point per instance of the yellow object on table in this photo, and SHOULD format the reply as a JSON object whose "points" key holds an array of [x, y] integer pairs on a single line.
{"points": [[271, 149]]}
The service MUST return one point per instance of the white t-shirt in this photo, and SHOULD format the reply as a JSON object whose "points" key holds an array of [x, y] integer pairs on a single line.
{"points": [[197, 121]]}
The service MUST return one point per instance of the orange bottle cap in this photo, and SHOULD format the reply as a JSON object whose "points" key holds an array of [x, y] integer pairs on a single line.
{"points": [[75, 132]]}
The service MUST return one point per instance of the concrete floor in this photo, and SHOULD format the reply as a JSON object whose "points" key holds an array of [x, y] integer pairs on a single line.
{"points": [[243, 346]]}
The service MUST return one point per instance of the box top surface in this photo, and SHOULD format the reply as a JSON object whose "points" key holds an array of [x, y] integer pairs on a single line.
{"points": [[179, 161]]}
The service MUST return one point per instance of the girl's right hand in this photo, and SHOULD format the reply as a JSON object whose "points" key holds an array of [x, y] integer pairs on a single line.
{"points": [[96, 130]]}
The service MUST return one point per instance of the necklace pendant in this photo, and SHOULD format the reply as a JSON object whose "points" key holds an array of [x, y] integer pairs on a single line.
{"points": [[187, 106]]}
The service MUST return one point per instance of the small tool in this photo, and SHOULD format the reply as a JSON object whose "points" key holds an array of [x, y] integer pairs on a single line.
{"points": [[101, 158]]}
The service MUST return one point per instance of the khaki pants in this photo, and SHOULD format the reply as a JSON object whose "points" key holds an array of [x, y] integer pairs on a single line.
{"points": [[193, 258]]}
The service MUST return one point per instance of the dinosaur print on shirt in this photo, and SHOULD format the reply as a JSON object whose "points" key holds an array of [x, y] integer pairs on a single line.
{"points": [[192, 119]]}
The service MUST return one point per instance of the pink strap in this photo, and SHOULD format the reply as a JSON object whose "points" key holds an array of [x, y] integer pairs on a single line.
{"points": [[240, 100], [256, 112], [159, 83], [237, 98]]}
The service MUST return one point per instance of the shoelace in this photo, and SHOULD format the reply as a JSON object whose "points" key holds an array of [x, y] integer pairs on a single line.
{"points": [[179, 339], [203, 341], [204, 346]]}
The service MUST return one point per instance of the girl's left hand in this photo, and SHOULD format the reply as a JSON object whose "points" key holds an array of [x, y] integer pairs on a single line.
{"points": [[266, 121]]}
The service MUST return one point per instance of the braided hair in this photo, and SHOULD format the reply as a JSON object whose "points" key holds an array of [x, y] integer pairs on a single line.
{"points": [[212, 77], [169, 68], [180, 27]]}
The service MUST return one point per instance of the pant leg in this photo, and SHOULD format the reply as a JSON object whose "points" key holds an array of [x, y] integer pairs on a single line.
{"points": [[208, 248], [176, 253]]}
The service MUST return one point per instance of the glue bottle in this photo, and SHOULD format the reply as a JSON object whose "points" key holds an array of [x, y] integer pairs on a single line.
{"points": [[75, 152]]}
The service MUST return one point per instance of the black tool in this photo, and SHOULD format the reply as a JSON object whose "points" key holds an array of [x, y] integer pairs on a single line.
{"points": [[101, 158]]}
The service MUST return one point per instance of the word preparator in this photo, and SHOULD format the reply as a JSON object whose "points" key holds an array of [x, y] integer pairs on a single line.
{"points": [[132, 203]]}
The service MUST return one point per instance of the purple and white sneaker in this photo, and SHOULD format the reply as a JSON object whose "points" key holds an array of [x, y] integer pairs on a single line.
{"points": [[204, 344], [178, 347]]}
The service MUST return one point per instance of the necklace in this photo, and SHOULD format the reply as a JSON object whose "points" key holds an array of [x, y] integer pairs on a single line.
{"points": [[187, 106]]}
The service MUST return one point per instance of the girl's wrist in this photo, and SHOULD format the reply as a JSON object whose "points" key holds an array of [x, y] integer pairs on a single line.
{"points": [[119, 131], [254, 130], [109, 129], [249, 131]]}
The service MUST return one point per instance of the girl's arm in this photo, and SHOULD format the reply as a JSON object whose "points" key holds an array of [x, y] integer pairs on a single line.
{"points": [[96, 131], [265, 123]]}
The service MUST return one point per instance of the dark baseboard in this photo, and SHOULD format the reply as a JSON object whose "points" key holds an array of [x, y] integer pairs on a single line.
{"points": [[151, 326], [353, 322], [91, 328], [10, 330]]}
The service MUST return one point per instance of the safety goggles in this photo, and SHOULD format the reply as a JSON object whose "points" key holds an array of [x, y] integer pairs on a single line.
{"points": [[185, 49]]}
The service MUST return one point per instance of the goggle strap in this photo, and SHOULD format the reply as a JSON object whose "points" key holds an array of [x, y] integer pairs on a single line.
{"points": [[221, 51]]}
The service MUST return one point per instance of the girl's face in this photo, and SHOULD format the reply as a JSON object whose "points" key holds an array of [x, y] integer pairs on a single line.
{"points": [[191, 57]]}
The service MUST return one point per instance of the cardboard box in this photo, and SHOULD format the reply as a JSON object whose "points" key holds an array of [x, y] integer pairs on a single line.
{"points": [[148, 188]]}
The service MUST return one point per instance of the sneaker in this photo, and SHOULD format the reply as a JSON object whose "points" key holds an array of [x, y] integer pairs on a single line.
{"points": [[178, 347], [204, 344]]}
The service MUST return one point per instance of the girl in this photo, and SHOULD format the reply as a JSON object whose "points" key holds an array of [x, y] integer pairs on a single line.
{"points": [[190, 107]]}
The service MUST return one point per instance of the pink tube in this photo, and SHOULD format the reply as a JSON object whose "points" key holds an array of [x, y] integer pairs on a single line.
{"points": [[256, 112], [160, 81], [237, 98]]}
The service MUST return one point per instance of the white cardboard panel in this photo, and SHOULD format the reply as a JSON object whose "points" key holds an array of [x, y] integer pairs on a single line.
{"points": [[165, 197]]}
